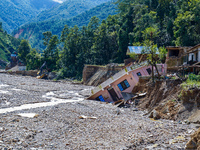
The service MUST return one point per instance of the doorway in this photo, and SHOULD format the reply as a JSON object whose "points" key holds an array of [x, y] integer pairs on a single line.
{"points": [[113, 94]]}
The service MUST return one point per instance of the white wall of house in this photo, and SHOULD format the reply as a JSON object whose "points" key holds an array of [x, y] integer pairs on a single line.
{"points": [[22, 68], [195, 57], [190, 57], [199, 55]]}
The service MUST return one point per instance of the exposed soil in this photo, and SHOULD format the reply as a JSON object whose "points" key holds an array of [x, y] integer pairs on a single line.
{"points": [[19, 33], [56, 124], [169, 100]]}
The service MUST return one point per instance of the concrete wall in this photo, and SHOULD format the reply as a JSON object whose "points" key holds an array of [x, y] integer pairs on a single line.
{"points": [[22, 68], [32, 73], [172, 62], [95, 75], [89, 71]]}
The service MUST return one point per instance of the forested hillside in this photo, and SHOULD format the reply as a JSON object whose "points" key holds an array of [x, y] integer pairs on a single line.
{"points": [[68, 9], [8, 44], [161, 23], [33, 31], [17, 12]]}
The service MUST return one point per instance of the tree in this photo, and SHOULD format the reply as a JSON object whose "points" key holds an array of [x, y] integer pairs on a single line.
{"points": [[51, 53], [70, 52], [187, 24], [24, 50], [47, 36], [151, 49], [33, 60], [1, 27]]}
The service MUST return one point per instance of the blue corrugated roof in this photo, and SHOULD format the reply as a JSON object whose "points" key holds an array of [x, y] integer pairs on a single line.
{"points": [[137, 49]]}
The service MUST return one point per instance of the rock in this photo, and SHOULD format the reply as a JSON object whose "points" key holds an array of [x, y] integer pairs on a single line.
{"points": [[135, 109], [15, 140], [52, 75], [1, 129], [155, 115], [186, 122], [86, 117], [152, 147], [195, 117], [172, 141]]}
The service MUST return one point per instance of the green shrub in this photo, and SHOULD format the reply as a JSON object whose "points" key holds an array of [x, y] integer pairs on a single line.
{"points": [[193, 77]]}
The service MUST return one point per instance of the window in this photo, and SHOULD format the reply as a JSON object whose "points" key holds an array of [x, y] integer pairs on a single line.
{"points": [[123, 85], [192, 57], [149, 70], [139, 74], [100, 98]]}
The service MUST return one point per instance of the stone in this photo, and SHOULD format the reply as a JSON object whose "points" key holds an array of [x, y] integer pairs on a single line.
{"points": [[154, 114], [52, 75]]}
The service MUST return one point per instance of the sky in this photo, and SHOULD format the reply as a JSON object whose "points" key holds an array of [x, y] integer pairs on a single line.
{"points": [[59, 1]]}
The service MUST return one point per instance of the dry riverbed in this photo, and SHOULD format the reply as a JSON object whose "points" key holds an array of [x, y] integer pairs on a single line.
{"points": [[42, 114]]}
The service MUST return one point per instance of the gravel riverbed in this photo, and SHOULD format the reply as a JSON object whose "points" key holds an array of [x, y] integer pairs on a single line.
{"points": [[43, 114]]}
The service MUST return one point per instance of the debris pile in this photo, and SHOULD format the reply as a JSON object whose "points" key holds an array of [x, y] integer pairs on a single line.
{"points": [[168, 100], [194, 142]]}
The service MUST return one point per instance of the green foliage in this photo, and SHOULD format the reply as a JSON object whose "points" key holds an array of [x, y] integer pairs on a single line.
{"points": [[69, 9], [193, 77], [33, 60], [162, 53], [23, 50], [192, 81], [8, 45], [190, 84], [51, 53], [17, 12], [134, 56], [151, 24], [33, 31], [187, 24]]}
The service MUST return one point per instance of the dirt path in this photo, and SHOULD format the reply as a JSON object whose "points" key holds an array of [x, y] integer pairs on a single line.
{"points": [[42, 114]]}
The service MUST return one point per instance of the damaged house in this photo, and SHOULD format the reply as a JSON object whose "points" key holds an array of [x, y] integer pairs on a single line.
{"points": [[120, 85], [175, 56], [192, 60], [183, 59], [138, 51]]}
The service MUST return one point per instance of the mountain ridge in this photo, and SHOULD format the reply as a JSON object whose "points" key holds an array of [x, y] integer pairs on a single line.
{"points": [[33, 31], [17, 12], [68, 9]]}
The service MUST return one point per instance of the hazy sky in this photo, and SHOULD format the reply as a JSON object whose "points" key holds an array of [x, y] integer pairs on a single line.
{"points": [[59, 1]]}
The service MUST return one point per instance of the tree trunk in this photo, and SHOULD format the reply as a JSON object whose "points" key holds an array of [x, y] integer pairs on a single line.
{"points": [[152, 74], [157, 71]]}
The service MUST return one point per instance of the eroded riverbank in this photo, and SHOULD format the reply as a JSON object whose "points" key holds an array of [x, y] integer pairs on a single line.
{"points": [[55, 124]]}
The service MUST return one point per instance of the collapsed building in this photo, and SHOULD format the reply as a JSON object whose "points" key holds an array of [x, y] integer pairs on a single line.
{"points": [[120, 85], [183, 59]]}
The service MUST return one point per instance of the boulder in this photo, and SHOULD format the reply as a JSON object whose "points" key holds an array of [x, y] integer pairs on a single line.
{"points": [[155, 115]]}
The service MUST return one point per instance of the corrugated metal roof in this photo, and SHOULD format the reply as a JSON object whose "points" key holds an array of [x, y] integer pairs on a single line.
{"points": [[137, 49]]}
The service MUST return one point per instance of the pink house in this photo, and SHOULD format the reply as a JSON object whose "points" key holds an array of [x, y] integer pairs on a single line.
{"points": [[123, 81]]}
